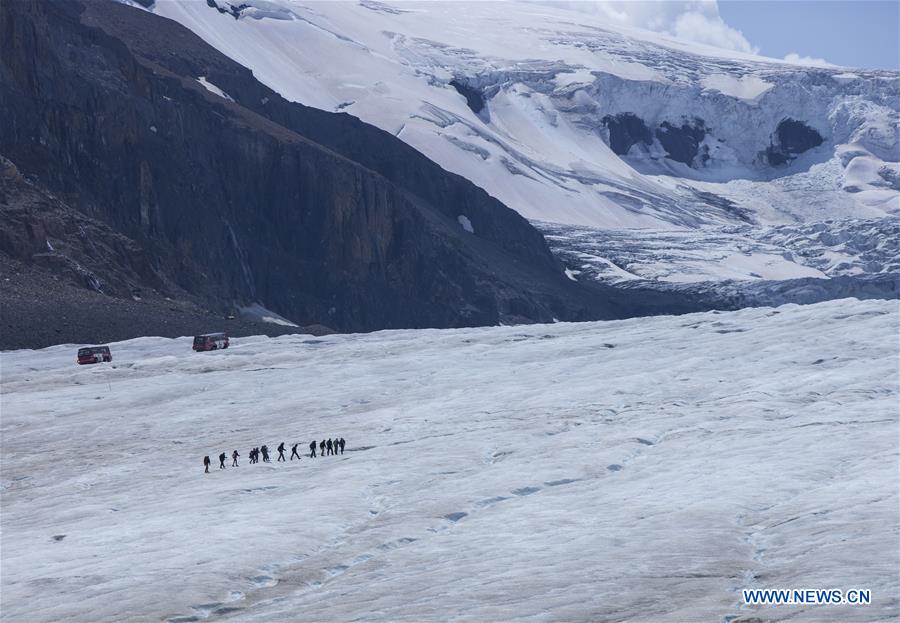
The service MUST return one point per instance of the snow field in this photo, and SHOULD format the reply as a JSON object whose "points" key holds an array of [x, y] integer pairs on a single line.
{"points": [[637, 470]]}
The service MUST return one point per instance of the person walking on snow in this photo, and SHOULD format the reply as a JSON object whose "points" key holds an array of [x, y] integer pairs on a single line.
{"points": [[294, 452], [281, 451], [234, 458], [265, 453], [206, 464], [312, 449], [322, 448], [341, 444], [253, 455], [328, 446], [222, 458]]}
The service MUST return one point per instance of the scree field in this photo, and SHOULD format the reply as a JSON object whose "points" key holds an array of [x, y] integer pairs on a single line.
{"points": [[641, 470]]}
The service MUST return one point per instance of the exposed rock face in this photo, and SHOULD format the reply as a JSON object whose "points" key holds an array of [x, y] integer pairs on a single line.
{"points": [[42, 308], [682, 143], [625, 130], [224, 7], [40, 230], [251, 198], [474, 97], [68, 278], [790, 139]]}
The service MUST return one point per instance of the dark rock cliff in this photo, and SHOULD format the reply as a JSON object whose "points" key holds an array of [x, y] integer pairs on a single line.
{"points": [[790, 139], [682, 143], [68, 278], [40, 230], [625, 130], [251, 198], [474, 97]]}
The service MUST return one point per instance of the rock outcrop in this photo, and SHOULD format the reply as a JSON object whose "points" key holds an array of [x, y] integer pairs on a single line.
{"points": [[230, 193], [625, 130], [40, 230], [790, 139]]}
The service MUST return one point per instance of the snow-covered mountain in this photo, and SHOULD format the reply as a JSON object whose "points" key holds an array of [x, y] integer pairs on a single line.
{"points": [[568, 119], [639, 470]]}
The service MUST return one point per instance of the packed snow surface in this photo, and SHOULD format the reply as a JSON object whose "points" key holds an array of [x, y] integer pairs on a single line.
{"points": [[639, 470]]}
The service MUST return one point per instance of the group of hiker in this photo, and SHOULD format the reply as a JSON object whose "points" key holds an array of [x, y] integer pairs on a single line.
{"points": [[327, 447]]}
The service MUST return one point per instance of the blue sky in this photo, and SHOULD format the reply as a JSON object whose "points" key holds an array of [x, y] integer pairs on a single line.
{"points": [[853, 33], [856, 33]]}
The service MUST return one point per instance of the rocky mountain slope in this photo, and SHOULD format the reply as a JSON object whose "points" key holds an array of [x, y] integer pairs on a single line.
{"points": [[69, 278], [235, 195]]}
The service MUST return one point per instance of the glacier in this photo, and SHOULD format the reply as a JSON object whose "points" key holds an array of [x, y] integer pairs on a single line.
{"points": [[823, 250], [642, 470], [522, 99]]}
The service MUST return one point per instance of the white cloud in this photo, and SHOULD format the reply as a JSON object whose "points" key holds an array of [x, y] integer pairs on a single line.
{"points": [[809, 61], [692, 20], [711, 30]]}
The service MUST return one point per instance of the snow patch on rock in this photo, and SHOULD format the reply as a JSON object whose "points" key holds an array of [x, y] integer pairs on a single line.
{"points": [[209, 86]]}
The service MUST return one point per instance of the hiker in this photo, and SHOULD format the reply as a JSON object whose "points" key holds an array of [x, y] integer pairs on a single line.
{"points": [[222, 458], [234, 458], [322, 448], [206, 464], [328, 446], [281, 451], [265, 453], [341, 444], [294, 452], [312, 449], [254, 455]]}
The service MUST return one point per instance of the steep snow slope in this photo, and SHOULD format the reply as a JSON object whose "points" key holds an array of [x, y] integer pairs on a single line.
{"points": [[642, 470], [570, 120]]}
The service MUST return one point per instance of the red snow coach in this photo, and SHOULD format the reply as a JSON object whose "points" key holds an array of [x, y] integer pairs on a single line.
{"points": [[210, 341], [94, 354]]}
